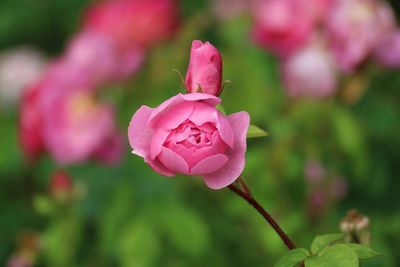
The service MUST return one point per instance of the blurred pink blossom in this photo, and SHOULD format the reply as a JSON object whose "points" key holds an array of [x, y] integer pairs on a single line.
{"points": [[63, 117], [310, 72], [284, 26], [355, 28], [30, 123], [387, 52], [134, 22], [204, 74]]}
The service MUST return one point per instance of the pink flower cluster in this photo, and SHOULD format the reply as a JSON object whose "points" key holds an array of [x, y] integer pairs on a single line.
{"points": [[61, 114], [187, 134], [317, 40]]}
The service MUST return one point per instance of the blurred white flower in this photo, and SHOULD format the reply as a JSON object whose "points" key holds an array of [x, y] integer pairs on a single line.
{"points": [[19, 67]]}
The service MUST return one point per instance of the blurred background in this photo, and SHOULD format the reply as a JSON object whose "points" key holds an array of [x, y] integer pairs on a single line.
{"points": [[73, 72]]}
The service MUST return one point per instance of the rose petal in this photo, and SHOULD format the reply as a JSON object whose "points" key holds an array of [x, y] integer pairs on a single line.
{"points": [[232, 170], [139, 134], [160, 168], [209, 165], [225, 130], [158, 139], [180, 98], [173, 161]]}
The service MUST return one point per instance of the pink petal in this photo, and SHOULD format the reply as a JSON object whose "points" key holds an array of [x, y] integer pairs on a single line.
{"points": [[173, 161], [157, 141], [203, 113], [180, 98], [209, 165], [225, 130], [160, 168], [139, 134], [232, 170]]}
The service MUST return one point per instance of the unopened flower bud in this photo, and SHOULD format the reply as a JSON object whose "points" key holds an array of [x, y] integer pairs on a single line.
{"points": [[204, 74], [356, 228], [60, 186]]}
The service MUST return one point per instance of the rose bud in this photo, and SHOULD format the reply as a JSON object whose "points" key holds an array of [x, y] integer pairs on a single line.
{"points": [[60, 185], [187, 134], [204, 74]]}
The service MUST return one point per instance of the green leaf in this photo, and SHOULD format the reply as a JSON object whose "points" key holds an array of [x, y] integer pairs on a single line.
{"points": [[293, 257], [321, 241], [335, 256], [255, 132], [363, 252]]}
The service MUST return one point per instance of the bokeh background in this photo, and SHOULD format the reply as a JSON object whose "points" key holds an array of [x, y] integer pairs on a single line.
{"points": [[323, 157]]}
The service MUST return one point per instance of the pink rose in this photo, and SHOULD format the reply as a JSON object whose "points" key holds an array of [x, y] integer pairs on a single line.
{"points": [[30, 136], [283, 26], [75, 124], [387, 53], [205, 69], [134, 22], [186, 134], [311, 72], [61, 116], [355, 28]]}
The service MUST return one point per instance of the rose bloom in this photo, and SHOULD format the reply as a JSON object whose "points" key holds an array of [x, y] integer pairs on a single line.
{"points": [[63, 117], [387, 53], [284, 26], [186, 134], [204, 73], [355, 28], [311, 72], [134, 22], [100, 58]]}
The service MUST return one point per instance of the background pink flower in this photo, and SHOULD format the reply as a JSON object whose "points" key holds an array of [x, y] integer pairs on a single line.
{"points": [[283, 26], [310, 72], [355, 27]]}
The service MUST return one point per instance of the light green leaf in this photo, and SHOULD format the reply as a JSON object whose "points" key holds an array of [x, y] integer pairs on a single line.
{"points": [[293, 257], [321, 241], [255, 132], [363, 252], [335, 256]]}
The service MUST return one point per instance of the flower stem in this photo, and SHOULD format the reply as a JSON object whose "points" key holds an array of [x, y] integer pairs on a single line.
{"points": [[246, 195]]}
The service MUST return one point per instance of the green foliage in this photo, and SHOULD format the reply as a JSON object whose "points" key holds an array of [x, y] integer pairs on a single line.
{"points": [[255, 132], [293, 257], [322, 241], [328, 251]]}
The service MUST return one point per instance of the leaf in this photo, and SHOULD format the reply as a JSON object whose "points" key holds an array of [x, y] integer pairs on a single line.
{"points": [[363, 252], [293, 257], [335, 256], [255, 132], [322, 241]]}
